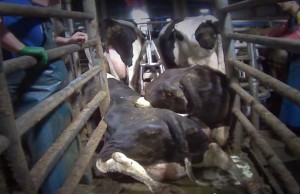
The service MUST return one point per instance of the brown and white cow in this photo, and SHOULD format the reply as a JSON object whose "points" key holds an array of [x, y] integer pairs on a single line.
{"points": [[201, 92], [123, 43], [152, 145], [192, 40]]}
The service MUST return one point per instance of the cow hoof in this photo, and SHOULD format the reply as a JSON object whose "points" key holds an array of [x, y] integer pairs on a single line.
{"points": [[169, 189]]}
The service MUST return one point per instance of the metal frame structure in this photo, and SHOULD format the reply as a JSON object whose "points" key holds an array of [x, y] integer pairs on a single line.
{"points": [[12, 129], [291, 141]]}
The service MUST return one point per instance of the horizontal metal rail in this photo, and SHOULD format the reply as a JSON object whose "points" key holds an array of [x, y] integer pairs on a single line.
{"points": [[45, 164], [35, 11], [285, 134], [27, 121], [78, 170], [26, 62], [248, 4], [280, 43], [280, 87], [4, 143], [278, 167]]}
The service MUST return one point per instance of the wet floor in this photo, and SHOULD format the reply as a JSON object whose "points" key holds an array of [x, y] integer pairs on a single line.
{"points": [[108, 186]]}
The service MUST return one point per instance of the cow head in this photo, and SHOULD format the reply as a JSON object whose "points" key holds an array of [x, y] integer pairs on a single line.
{"points": [[167, 95], [206, 34]]}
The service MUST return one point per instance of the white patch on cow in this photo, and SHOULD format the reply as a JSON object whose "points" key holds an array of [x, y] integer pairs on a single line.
{"points": [[183, 115], [122, 164], [132, 71], [108, 75], [142, 103], [180, 57], [116, 64], [220, 55], [166, 171]]}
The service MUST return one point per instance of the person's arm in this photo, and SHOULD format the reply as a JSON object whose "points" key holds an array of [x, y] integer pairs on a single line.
{"points": [[12, 44], [78, 37], [9, 41]]}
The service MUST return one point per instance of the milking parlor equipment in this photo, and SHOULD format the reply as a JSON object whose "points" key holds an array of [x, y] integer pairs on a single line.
{"points": [[149, 69]]}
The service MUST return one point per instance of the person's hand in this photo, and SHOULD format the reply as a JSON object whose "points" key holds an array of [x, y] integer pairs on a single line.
{"points": [[38, 52], [78, 37]]}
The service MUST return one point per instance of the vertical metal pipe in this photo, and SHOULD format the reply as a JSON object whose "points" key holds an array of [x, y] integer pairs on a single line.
{"points": [[97, 55], [179, 8], [237, 132], [101, 9], [14, 154], [4, 143], [253, 83], [228, 44]]}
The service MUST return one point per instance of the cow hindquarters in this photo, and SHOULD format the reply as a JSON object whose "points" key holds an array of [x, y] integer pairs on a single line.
{"points": [[124, 165]]}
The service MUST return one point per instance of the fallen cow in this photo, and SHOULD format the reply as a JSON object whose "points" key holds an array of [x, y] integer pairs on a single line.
{"points": [[144, 142], [198, 91]]}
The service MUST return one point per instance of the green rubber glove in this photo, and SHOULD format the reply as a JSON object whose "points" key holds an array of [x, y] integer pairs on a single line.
{"points": [[38, 52]]}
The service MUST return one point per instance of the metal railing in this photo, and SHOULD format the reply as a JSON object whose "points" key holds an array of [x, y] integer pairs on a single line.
{"points": [[290, 140], [12, 129]]}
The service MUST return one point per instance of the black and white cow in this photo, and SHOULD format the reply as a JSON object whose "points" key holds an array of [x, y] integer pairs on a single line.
{"points": [[199, 91], [152, 145], [123, 43], [192, 40]]}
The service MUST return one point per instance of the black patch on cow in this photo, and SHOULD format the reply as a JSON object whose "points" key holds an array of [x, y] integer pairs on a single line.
{"points": [[120, 36], [166, 42], [147, 134], [207, 92], [178, 35], [206, 35]]}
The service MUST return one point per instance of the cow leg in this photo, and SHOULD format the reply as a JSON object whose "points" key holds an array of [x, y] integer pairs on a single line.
{"points": [[216, 157], [122, 164], [220, 135]]}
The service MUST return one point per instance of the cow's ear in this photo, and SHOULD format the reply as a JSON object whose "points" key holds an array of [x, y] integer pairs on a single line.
{"points": [[178, 35]]}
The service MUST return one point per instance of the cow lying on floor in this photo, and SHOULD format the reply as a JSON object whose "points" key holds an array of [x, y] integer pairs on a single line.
{"points": [[192, 40], [152, 145], [199, 91]]}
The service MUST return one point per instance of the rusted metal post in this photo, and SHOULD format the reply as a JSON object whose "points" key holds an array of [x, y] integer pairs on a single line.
{"points": [[33, 11], [14, 154], [278, 167], [45, 164], [283, 89], [253, 83], [237, 131], [25, 62], [4, 143], [280, 43], [285, 134], [89, 6], [77, 171], [225, 23], [26, 121], [248, 4]]}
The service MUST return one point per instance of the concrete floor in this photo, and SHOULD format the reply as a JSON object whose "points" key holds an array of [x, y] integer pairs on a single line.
{"points": [[108, 186]]}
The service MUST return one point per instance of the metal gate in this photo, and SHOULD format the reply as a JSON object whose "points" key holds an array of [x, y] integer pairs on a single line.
{"points": [[259, 113], [11, 129]]}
